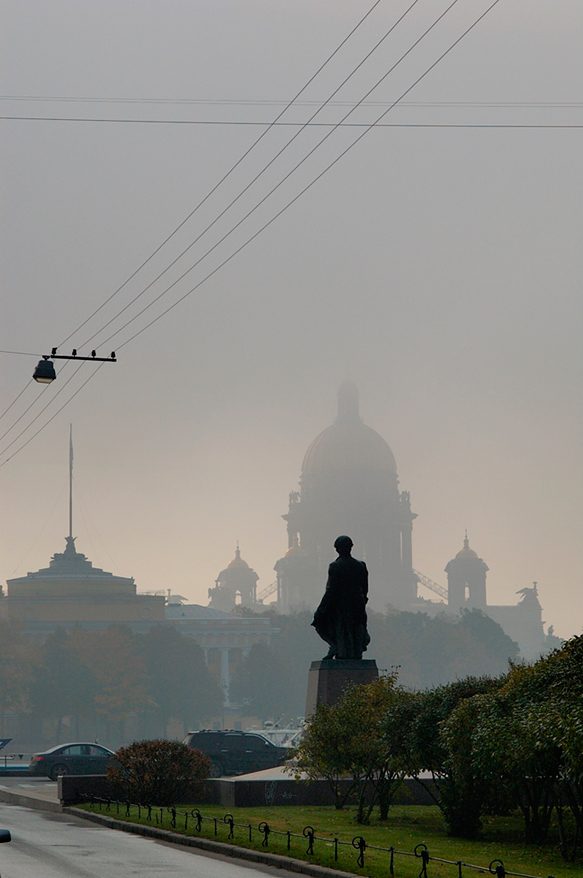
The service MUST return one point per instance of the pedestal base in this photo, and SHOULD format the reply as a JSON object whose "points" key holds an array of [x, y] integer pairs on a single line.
{"points": [[327, 679]]}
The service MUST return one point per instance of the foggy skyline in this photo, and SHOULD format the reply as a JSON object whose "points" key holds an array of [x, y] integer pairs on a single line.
{"points": [[440, 268]]}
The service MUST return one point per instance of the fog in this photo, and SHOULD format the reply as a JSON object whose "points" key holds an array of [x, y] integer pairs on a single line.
{"points": [[438, 267]]}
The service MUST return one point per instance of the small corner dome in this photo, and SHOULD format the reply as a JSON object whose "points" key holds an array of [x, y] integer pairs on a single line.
{"points": [[466, 552], [238, 562]]}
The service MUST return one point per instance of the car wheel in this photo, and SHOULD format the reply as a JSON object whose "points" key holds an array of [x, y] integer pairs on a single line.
{"points": [[216, 769], [57, 770]]}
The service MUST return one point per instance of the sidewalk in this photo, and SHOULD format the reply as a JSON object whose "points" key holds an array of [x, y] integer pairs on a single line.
{"points": [[29, 794]]}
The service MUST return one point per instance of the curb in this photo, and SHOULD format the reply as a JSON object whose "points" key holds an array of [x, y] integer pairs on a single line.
{"points": [[9, 798], [264, 858]]}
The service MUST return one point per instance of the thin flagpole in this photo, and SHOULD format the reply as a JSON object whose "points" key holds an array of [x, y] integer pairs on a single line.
{"points": [[71, 480]]}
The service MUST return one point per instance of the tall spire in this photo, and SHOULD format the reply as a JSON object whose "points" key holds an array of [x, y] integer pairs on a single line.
{"points": [[70, 481]]}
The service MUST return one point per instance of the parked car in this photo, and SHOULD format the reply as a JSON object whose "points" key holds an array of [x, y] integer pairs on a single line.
{"points": [[76, 758], [232, 752]]}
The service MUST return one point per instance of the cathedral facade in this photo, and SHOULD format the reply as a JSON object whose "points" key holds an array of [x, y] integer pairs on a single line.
{"points": [[348, 485]]}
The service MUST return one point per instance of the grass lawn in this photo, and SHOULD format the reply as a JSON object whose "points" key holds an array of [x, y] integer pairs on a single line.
{"points": [[406, 827]]}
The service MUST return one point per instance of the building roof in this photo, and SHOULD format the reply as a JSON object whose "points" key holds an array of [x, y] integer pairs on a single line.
{"points": [[466, 552], [71, 564], [194, 611]]}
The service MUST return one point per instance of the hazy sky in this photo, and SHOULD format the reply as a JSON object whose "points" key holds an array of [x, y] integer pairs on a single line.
{"points": [[438, 267]]}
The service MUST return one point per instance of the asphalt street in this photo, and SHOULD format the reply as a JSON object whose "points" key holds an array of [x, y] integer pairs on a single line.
{"points": [[50, 845]]}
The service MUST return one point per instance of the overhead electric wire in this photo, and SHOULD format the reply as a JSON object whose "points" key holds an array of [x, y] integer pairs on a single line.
{"points": [[260, 174], [217, 185], [302, 125], [279, 213], [52, 418], [306, 188], [229, 172], [33, 403], [269, 103], [16, 398], [239, 223], [37, 416]]}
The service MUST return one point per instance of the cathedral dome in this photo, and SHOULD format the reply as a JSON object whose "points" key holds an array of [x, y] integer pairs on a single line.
{"points": [[466, 552], [237, 562], [348, 444]]}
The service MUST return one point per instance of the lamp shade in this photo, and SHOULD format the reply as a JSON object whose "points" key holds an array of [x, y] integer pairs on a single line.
{"points": [[44, 372]]}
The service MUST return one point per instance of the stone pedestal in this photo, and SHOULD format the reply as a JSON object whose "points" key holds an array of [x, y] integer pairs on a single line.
{"points": [[327, 679]]}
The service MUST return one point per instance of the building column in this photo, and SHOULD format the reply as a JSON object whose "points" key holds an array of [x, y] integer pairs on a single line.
{"points": [[225, 680]]}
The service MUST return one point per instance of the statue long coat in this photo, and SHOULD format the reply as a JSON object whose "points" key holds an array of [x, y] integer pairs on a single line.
{"points": [[340, 619]]}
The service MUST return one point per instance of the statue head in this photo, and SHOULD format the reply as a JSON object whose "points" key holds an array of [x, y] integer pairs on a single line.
{"points": [[343, 545]]}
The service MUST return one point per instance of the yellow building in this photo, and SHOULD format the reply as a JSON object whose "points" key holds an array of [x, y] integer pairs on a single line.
{"points": [[72, 592]]}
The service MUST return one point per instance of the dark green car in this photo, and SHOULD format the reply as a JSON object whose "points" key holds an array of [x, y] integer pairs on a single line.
{"points": [[71, 759]]}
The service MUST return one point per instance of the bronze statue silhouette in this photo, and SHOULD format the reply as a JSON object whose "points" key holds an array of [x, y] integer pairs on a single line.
{"points": [[340, 619]]}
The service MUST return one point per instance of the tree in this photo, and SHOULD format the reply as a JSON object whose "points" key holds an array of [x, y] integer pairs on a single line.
{"points": [[261, 683], [179, 682], [295, 647], [18, 657], [357, 739], [531, 735], [65, 685], [457, 787], [119, 671], [435, 651]]}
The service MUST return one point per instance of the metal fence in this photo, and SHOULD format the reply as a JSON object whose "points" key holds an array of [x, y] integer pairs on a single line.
{"points": [[227, 829], [14, 761]]}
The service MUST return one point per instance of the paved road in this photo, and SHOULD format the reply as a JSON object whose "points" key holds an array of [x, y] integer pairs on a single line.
{"points": [[47, 845]]}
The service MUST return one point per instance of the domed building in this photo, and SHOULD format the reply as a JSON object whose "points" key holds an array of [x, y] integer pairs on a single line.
{"points": [[466, 580], [349, 484], [523, 622], [235, 585], [72, 593]]}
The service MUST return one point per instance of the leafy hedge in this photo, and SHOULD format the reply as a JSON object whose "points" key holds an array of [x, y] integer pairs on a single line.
{"points": [[158, 773]]}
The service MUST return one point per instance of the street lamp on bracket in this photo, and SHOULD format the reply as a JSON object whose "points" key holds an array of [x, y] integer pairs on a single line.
{"points": [[45, 370]]}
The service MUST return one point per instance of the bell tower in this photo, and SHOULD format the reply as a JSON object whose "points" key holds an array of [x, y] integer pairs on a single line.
{"points": [[466, 580]]}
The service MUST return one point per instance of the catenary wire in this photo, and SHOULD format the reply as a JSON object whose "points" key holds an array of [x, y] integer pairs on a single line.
{"points": [[228, 174], [261, 103], [279, 213], [27, 409], [306, 188], [258, 175], [225, 176], [52, 418], [16, 398], [286, 177], [37, 416], [222, 180], [302, 125]]}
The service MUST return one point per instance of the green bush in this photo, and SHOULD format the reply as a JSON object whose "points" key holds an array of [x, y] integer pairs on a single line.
{"points": [[158, 773]]}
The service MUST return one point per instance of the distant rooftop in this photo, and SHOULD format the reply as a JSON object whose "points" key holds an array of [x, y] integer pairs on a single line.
{"points": [[194, 611]]}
